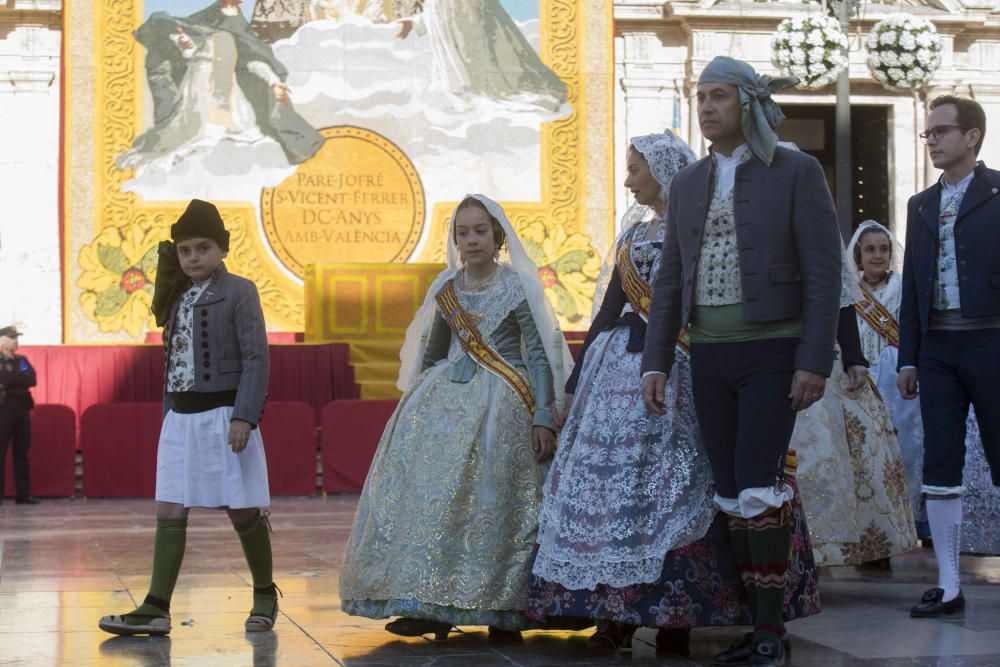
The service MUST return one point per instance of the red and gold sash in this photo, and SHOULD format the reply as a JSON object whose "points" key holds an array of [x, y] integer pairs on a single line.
{"points": [[639, 292], [475, 345], [878, 317]]}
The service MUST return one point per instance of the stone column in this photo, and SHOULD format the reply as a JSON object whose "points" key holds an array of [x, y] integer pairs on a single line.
{"points": [[29, 170], [649, 95]]}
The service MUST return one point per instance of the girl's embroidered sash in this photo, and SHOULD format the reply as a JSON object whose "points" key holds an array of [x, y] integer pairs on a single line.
{"points": [[878, 317], [476, 346], [639, 292]]}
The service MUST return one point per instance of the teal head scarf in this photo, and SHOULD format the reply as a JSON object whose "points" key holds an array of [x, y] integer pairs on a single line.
{"points": [[759, 114]]}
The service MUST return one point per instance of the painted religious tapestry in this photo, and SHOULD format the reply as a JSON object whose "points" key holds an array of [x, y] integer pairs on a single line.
{"points": [[328, 131]]}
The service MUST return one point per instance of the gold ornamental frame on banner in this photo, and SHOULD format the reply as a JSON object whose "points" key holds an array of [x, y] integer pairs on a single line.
{"points": [[103, 113]]}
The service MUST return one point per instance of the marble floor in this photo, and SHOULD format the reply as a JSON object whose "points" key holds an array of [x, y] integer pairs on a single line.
{"points": [[65, 563]]}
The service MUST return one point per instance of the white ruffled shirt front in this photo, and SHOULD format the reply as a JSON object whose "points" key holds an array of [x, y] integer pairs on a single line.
{"points": [[725, 169]]}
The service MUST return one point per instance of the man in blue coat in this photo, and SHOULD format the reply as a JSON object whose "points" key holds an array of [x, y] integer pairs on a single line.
{"points": [[949, 324]]}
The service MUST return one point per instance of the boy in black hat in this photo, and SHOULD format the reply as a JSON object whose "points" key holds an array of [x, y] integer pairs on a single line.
{"points": [[210, 452], [16, 377]]}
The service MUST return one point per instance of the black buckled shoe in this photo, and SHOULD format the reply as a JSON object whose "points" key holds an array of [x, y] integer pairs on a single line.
{"points": [[737, 654], [501, 636], [768, 653], [674, 641], [417, 627], [931, 605]]}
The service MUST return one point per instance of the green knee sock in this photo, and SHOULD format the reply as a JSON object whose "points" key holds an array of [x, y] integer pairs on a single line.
{"points": [[770, 540], [739, 529], [256, 540], [168, 553]]}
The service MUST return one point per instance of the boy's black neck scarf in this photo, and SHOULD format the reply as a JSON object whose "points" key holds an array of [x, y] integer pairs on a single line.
{"points": [[170, 283]]}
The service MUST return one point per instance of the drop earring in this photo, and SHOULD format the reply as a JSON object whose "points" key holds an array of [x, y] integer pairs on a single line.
{"points": [[496, 255]]}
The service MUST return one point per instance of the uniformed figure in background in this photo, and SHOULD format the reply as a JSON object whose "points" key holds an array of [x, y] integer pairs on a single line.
{"points": [[16, 377]]}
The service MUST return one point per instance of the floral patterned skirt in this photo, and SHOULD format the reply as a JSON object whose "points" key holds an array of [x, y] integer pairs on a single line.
{"points": [[700, 586], [851, 477], [445, 526]]}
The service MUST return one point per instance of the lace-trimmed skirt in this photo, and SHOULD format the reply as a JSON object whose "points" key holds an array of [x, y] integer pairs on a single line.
{"points": [[626, 486], [699, 586], [446, 523], [608, 469]]}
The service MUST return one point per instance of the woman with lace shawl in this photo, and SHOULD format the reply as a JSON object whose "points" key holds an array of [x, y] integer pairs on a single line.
{"points": [[627, 533], [877, 258], [445, 526], [851, 473]]}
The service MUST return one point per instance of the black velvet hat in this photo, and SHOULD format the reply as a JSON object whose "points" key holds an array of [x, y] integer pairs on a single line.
{"points": [[200, 220]]}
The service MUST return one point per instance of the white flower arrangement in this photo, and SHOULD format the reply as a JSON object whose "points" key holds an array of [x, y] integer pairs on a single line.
{"points": [[903, 52], [811, 48]]}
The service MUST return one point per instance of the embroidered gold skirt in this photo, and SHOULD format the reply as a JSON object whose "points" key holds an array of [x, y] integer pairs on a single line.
{"points": [[446, 523], [851, 477]]}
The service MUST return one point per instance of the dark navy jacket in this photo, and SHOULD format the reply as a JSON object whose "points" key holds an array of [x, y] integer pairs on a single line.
{"points": [[977, 249]]}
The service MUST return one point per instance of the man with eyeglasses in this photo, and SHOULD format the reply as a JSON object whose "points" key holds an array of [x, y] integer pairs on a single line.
{"points": [[949, 325]]}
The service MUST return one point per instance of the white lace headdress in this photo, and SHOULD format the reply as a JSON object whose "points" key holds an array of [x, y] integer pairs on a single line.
{"points": [[895, 262], [556, 351], [666, 154]]}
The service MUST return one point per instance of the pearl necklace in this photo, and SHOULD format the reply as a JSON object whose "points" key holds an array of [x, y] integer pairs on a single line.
{"points": [[479, 284]]}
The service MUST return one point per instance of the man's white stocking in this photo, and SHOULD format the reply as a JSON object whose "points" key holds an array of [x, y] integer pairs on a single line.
{"points": [[945, 518]]}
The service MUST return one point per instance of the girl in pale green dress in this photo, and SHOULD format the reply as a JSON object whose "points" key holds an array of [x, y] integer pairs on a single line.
{"points": [[446, 523]]}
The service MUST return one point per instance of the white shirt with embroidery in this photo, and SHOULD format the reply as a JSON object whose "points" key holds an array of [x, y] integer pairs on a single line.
{"points": [[718, 278], [946, 292], [180, 366]]}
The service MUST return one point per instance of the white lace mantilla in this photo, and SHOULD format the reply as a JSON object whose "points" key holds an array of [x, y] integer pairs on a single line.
{"points": [[666, 154], [489, 307], [626, 487]]}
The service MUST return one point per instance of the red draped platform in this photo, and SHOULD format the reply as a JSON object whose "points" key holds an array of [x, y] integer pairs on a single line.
{"points": [[111, 396], [52, 457], [289, 432], [350, 431], [79, 376], [119, 440]]}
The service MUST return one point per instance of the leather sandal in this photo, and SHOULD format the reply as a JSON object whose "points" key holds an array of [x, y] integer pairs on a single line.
{"points": [[154, 626], [258, 622]]}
